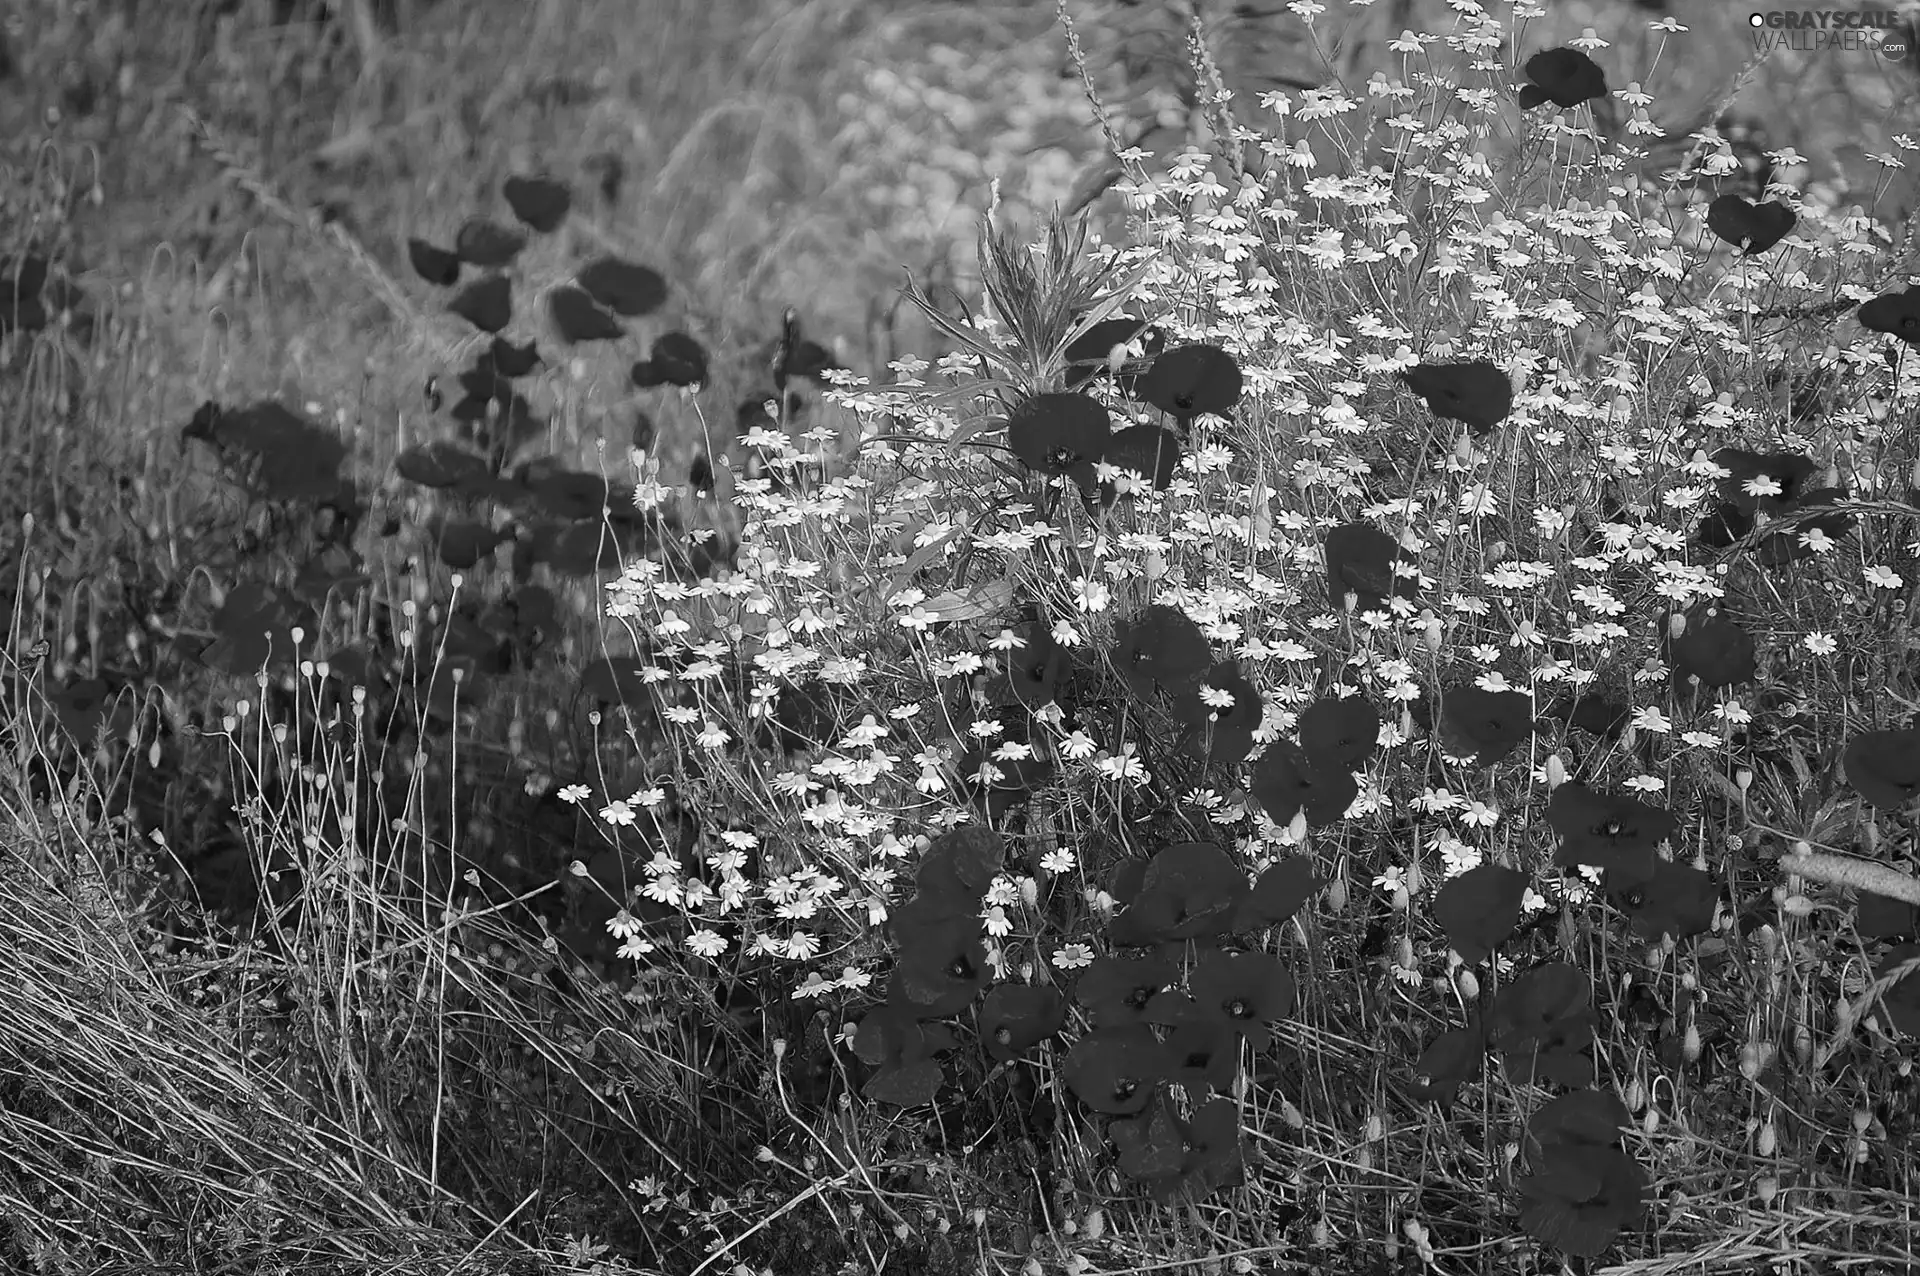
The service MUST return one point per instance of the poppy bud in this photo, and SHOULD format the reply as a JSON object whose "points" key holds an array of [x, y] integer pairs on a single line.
{"points": [[1636, 1096], [1297, 826], [1337, 895], [1766, 1188], [1802, 1044], [1677, 624], [1743, 779], [1432, 636], [1412, 877], [1769, 1140], [1862, 1118], [1650, 1121], [1556, 771], [1690, 1045], [1469, 985]]}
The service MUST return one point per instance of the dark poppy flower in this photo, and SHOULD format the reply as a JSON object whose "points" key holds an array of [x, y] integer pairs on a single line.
{"points": [[1152, 1145], [1542, 1025], [1901, 1001], [486, 304], [1060, 434], [1477, 393], [1202, 1055], [1245, 991], [486, 243], [796, 356], [1484, 725], [1579, 1198], [1280, 891], [960, 864], [1189, 890], [1880, 917], [1105, 346], [941, 969], [1677, 900], [1014, 1018], [1585, 1118], [435, 265], [1117, 990], [1285, 783], [1593, 713], [580, 318], [1722, 525], [1339, 729], [1615, 834], [540, 202], [1361, 560], [271, 451], [1187, 381], [1115, 1070], [1565, 77], [1160, 647], [1751, 227], [1216, 1155], [1713, 649], [1452, 1059], [901, 1049], [1479, 909], [998, 785], [1785, 544], [679, 360], [1146, 450], [622, 287], [1034, 670], [463, 542], [509, 360], [1770, 481], [1884, 766], [1220, 713], [1895, 313]]}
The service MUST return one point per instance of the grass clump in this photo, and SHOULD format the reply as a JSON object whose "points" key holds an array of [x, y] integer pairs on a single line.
{"points": [[1364, 725]]}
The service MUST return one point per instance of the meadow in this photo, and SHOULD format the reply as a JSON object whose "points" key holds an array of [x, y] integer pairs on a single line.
{"points": [[781, 639]]}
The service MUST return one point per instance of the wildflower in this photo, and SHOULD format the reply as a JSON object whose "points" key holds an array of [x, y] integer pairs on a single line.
{"points": [[1073, 957], [706, 943]]}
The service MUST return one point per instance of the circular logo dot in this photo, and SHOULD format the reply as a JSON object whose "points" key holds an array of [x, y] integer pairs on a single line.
{"points": [[1756, 19], [1895, 47]]}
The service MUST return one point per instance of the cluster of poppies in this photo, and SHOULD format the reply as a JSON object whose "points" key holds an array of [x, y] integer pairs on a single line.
{"points": [[1780, 488]]}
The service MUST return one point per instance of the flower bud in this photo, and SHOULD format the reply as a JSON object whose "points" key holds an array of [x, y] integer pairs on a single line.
{"points": [[1469, 985], [1556, 771], [1768, 1141]]}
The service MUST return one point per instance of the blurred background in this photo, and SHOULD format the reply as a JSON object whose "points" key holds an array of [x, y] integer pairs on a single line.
{"points": [[760, 153]]}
